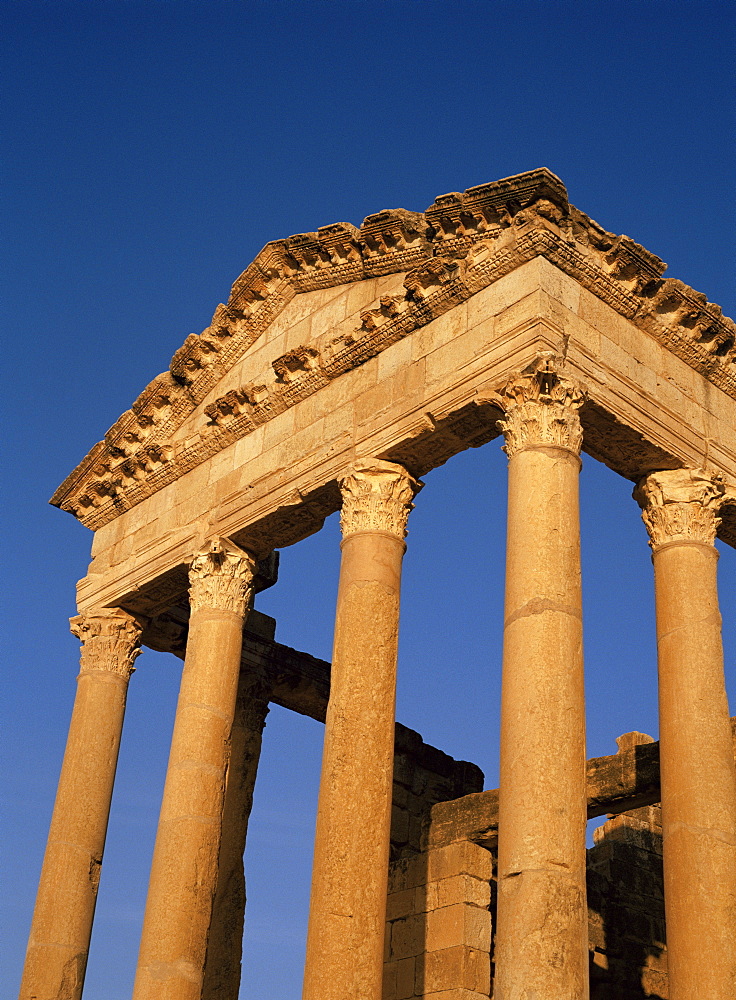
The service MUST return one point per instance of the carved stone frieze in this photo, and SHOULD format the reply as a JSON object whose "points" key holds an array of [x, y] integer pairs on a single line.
{"points": [[313, 260], [680, 505], [110, 640], [377, 496], [541, 407], [460, 245], [394, 240], [221, 578]]}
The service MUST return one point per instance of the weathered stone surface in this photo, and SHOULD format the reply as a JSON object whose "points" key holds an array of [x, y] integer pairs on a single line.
{"points": [[478, 241], [698, 777], [183, 885], [58, 945], [618, 783], [627, 946], [503, 309], [352, 841]]}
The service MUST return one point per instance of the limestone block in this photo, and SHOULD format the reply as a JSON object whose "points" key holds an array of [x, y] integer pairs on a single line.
{"points": [[557, 284], [393, 358], [222, 463], [359, 295], [278, 429], [442, 330], [454, 968], [326, 317], [399, 826], [405, 978], [400, 795], [460, 994], [313, 439], [370, 405], [407, 937], [507, 289], [390, 284], [534, 306], [400, 904], [463, 889], [583, 339], [599, 314], [458, 924], [194, 481], [192, 507], [332, 396], [248, 447], [390, 972], [306, 304], [416, 829], [426, 897], [459, 353], [459, 859]]}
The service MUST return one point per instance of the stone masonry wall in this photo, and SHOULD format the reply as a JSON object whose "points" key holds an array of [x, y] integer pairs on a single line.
{"points": [[441, 902], [441, 914], [423, 776], [438, 899], [626, 908]]}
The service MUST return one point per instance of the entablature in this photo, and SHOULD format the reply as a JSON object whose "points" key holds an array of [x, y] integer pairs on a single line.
{"points": [[460, 246]]}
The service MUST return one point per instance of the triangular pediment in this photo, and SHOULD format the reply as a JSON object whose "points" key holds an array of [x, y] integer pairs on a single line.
{"points": [[404, 269]]}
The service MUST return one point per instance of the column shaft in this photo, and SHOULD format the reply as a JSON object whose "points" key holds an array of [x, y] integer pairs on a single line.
{"points": [[62, 921], [542, 937], [350, 874], [184, 870], [698, 779], [225, 941]]}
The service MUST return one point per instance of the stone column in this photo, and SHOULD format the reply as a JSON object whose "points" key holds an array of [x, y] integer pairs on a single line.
{"points": [[542, 938], [680, 510], [184, 870], [62, 921], [350, 875], [225, 941]]}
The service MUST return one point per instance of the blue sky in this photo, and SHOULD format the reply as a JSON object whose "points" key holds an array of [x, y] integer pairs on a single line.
{"points": [[151, 149]]}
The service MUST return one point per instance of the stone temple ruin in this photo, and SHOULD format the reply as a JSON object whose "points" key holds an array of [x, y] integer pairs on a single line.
{"points": [[347, 364]]}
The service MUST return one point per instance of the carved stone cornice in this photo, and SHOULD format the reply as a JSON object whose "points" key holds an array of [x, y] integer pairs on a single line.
{"points": [[377, 496], [541, 405], [221, 578], [680, 505], [110, 640], [463, 243]]}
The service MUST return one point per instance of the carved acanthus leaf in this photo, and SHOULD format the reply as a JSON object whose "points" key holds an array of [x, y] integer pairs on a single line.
{"points": [[377, 496], [541, 405], [295, 363], [221, 578], [110, 640], [681, 505]]}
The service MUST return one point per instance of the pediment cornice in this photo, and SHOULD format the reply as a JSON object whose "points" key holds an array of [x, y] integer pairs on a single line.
{"points": [[460, 245]]}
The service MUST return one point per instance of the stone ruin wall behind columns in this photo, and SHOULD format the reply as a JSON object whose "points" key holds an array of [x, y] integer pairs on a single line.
{"points": [[442, 899]]}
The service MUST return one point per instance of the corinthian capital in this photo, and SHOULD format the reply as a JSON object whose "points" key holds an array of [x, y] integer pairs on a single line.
{"points": [[221, 577], [680, 505], [110, 638], [377, 496], [541, 407]]}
